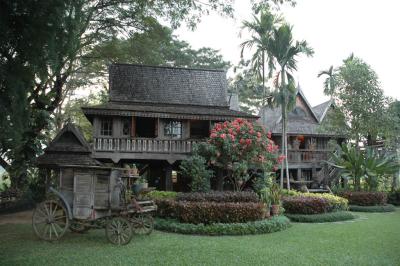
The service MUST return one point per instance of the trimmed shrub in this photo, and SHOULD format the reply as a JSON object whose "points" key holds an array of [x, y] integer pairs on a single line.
{"points": [[394, 198], [210, 212], [322, 217], [166, 208], [218, 196], [336, 203], [274, 224], [365, 198], [215, 212], [306, 205], [157, 194], [377, 208], [290, 193]]}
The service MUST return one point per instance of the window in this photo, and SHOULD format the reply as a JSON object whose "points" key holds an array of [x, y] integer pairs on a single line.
{"points": [[173, 129], [126, 126], [199, 129], [106, 127]]}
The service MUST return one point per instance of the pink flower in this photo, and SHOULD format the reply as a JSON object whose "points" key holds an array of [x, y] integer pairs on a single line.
{"points": [[258, 134], [242, 141], [213, 135], [281, 158], [269, 134], [223, 136], [248, 141]]}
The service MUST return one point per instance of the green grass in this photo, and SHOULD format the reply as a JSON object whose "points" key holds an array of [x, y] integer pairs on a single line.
{"points": [[373, 239]]}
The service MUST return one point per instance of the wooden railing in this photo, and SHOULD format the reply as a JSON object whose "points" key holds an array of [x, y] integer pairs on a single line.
{"points": [[143, 145], [299, 156]]}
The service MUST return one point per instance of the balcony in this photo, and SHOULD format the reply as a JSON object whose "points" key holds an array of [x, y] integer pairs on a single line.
{"points": [[308, 156], [144, 145]]}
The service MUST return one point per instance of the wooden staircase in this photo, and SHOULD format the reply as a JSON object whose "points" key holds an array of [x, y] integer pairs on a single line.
{"points": [[324, 178]]}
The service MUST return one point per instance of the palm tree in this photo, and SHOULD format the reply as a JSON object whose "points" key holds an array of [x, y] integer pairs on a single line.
{"points": [[284, 52], [261, 30], [330, 82]]}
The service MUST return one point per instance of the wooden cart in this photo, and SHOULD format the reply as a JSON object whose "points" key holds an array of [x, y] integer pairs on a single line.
{"points": [[93, 197]]}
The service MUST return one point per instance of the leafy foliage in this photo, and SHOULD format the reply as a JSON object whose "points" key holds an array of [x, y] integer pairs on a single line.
{"points": [[394, 197], [355, 88], [219, 196], [239, 146], [376, 208], [365, 198], [306, 205], [321, 217], [195, 168], [369, 165], [276, 223], [156, 194]]}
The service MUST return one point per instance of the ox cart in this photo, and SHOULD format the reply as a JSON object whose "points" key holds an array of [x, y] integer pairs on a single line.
{"points": [[93, 197]]}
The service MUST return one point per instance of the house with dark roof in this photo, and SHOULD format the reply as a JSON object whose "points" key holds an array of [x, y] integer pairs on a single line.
{"points": [[156, 114], [308, 140]]}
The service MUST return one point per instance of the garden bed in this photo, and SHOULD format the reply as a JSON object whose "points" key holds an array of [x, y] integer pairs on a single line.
{"points": [[376, 208], [274, 224], [322, 217]]}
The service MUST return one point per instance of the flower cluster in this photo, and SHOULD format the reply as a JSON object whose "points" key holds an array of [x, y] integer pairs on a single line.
{"points": [[241, 140]]}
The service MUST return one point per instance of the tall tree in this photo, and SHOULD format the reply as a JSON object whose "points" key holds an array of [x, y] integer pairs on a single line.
{"points": [[261, 29], [284, 52], [41, 47], [355, 88]]}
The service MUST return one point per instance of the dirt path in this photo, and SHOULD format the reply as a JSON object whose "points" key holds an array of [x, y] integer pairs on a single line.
{"points": [[24, 217]]}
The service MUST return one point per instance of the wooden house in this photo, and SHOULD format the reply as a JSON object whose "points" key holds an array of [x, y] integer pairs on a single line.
{"points": [[156, 114], [308, 140]]}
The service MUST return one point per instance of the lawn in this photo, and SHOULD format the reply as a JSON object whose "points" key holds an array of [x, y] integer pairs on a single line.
{"points": [[373, 239]]}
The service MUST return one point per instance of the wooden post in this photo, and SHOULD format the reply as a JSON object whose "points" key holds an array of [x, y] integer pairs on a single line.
{"points": [[168, 177], [298, 174]]}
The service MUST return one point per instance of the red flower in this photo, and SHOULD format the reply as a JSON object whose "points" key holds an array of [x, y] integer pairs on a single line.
{"points": [[242, 141], [248, 141], [223, 136]]}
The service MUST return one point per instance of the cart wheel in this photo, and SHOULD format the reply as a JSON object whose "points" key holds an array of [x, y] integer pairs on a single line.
{"points": [[119, 231], [50, 220], [143, 224], [77, 227]]}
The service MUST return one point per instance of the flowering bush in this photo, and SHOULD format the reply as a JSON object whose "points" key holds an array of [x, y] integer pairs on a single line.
{"points": [[238, 146]]}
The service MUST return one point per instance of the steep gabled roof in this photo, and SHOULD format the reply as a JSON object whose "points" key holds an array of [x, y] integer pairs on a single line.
{"points": [[69, 147], [167, 85], [304, 119], [322, 109]]}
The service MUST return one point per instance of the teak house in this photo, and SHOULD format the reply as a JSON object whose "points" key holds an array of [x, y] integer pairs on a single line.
{"points": [[308, 140], [156, 114]]}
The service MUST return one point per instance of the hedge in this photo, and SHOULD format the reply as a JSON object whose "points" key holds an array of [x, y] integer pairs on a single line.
{"points": [[305, 205], [219, 196], [322, 217], [377, 208], [274, 224], [365, 198], [157, 194], [210, 212], [394, 198]]}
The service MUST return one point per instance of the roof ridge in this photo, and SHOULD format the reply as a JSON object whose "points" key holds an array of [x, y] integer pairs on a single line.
{"points": [[171, 67]]}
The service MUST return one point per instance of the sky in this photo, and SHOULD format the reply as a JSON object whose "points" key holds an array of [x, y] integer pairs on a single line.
{"points": [[333, 28]]}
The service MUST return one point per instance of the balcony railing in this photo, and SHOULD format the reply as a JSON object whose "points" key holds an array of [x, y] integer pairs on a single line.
{"points": [[143, 145], [299, 156]]}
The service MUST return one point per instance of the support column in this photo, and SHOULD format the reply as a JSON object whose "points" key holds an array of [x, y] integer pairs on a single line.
{"points": [[168, 177], [298, 174]]}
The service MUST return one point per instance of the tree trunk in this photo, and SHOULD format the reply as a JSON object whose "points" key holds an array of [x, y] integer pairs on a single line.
{"points": [[263, 79]]}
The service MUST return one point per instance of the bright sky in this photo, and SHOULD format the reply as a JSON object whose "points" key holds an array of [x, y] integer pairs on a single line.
{"points": [[333, 28]]}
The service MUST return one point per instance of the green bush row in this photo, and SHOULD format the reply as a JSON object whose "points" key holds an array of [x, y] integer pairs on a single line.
{"points": [[274, 224], [377, 208], [210, 212], [219, 196], [322, 217], [394, 198], [365, 198]]}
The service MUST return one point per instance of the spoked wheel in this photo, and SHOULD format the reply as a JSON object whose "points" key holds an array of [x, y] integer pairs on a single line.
{"points": [[78, 227], [119, 231], [50, 220], [143, 224]]}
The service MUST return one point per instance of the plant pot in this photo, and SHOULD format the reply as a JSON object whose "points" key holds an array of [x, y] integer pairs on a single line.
{"points": [[275, 209], [139, 187]]}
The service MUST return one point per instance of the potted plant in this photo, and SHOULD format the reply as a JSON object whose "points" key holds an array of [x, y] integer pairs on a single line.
{"points": [[266, 199], [140, 184], [275, 197]]}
